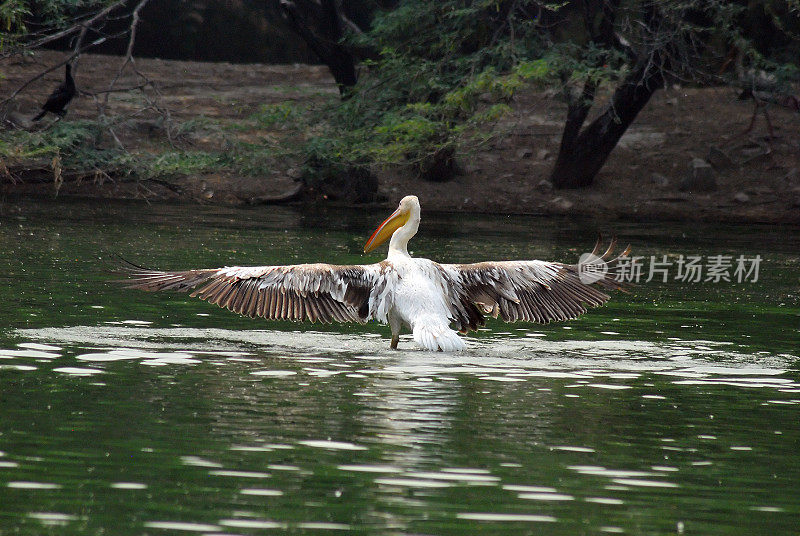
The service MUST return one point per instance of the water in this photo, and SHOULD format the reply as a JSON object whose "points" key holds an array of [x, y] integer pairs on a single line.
{"points": [[673, 410]]}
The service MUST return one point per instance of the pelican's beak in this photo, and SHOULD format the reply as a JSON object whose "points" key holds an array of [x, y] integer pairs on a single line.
{"points": [[387, 228]]}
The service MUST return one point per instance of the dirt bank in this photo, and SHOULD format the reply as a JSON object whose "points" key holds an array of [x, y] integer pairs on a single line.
{"points": [[756, 177]]}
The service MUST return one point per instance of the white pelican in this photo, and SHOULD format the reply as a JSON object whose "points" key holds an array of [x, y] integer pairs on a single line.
{"points": [[420, 294]]}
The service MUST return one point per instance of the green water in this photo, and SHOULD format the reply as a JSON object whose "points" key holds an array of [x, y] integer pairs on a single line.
{"points": [[672, 410]]}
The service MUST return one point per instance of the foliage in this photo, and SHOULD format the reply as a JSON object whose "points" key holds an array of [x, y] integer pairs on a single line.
{"points": [[12, 16], [442, 79], [445, 72], [269, 115], [24, 20], [437, 83], [64, 139], [82, 147]]}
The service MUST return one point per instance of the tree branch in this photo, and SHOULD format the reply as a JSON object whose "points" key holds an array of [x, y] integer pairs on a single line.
{"points": [[321, 25], [80, 25], [75, 53]]}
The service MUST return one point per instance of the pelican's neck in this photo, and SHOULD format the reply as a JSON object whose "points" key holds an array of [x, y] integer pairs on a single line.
{"points": [[398, 245]]}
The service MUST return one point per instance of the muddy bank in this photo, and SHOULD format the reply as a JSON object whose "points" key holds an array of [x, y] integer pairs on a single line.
{"points": [[682, 134]]}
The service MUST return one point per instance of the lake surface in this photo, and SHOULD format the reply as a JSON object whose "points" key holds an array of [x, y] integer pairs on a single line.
{"points": [[672, 410]]}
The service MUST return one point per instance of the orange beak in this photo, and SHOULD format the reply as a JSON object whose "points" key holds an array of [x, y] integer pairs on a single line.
{"points": [[386, 229]]}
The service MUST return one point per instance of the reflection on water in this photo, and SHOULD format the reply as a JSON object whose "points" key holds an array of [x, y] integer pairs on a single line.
{"points": [[138, 414], [489, 358], [515, 432]]}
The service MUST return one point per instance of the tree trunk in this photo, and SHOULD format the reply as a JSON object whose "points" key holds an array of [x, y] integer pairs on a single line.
{"points": [[583, 153], [321, 25]]}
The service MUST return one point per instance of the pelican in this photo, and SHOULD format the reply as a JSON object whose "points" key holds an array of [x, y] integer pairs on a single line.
{"points": [[403, 291]]}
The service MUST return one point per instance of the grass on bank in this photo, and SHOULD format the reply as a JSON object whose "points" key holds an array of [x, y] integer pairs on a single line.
{"points": [[85, 146], [319, 136]]}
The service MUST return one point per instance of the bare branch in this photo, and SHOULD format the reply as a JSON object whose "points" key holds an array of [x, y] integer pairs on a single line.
{"points": [[68, 59], [129, 51], [78, 26]]}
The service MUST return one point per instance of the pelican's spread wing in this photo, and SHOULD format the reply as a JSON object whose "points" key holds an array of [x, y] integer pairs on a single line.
{"points": [[316, 292], [532, 291]]}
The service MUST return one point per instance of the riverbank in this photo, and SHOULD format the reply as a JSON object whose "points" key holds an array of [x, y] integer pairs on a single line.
{"points": [[682, 134]]}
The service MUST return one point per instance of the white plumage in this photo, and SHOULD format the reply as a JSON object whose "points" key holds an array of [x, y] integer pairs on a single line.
{"points": [[421, 300], [419, 294]]}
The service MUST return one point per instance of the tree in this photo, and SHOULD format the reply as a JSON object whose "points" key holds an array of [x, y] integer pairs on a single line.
{"points": [[657, 37], [321, 25], [440, 62], [324, 25], [56, 21], [83, 26], [421, 81]]}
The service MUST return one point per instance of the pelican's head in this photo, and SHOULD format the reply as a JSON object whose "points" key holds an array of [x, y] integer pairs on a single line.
{"points": [[407, 210]]}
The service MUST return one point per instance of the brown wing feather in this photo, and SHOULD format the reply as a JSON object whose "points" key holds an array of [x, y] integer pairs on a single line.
{"points": [[531, 291], [315, 292]]}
